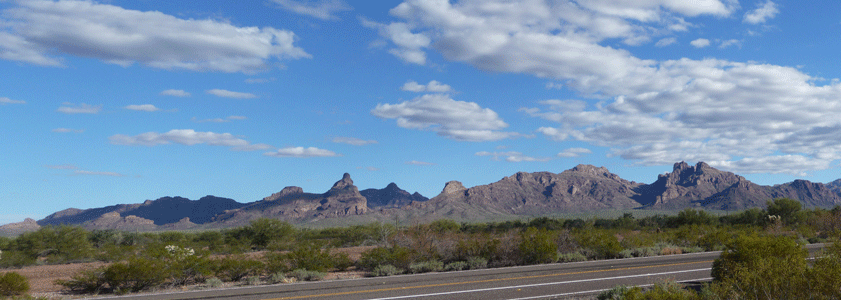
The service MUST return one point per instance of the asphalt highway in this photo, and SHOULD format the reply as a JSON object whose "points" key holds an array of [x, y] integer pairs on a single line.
{"points": [[550, 281]]}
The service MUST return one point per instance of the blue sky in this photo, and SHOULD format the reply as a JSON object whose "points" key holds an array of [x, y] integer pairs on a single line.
{"points": [[107, 102]]}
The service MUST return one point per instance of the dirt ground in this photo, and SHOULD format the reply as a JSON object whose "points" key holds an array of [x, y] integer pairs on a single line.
{"points": [[42, 278]]}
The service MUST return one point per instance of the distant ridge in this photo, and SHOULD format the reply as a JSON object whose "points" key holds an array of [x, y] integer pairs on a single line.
{"points": [[580, 189]]}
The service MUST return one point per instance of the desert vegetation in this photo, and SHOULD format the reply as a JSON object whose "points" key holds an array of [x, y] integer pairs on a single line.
{"points": [[763, 257]]}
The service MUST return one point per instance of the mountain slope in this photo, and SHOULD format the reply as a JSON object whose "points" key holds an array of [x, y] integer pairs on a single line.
{"points": [[390, 197]]}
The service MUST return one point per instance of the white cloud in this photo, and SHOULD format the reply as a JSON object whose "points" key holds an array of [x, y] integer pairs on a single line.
{"points": [[665, 42], [219, 120], [511, 156], [700, 43], [419, 163], [493, 35], [120, 36], [761, 14], [731, 42], [253, 147], [431, 87], [409, 45], [323, 9], [187, 137], [230, 94], [574, 152], [745, 115], [301, 152], [79, 109], [353, 141], [67, 130], [176, 93], [142, 107], [4, 101], [458, 120]]}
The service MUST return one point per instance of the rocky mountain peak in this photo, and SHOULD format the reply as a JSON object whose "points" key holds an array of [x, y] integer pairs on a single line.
{"points": [[392, 186], [287, 191], [453, 187], [344, 183]]}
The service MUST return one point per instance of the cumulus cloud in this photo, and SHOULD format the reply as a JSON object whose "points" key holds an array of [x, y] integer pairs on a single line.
{"points": [[431, 87], [302, 152], [761, 14], [142, 107], [187, 137], [323, 9], [37, 29], [458, 120], [574, 152], [353, 141], [743, 116], [700, 43], [83, 108], [176, 93], [493, 34], [230, 94], [511, 156], [409, 46], [4, 101], [419, 163]]}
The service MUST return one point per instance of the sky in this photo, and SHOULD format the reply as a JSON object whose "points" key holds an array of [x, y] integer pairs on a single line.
{"points": [[111, 102]]}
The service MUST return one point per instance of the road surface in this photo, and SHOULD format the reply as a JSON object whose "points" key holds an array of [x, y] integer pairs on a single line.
{"points": [[550, 281]]}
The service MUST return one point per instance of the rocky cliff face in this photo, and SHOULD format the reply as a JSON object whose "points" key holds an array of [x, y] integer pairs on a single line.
{"points": [[162, 211], [15, 229], [686, 184], [582, 188], [390, 197]]}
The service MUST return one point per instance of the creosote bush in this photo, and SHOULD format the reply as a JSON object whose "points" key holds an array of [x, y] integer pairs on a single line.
{"points": [[385, 270], [13, 284]]}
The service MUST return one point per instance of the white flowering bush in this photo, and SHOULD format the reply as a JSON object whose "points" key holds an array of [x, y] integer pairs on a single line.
{"points": [[179, 253]]}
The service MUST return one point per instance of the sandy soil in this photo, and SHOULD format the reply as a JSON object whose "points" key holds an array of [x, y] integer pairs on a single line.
{"points": [[42, 278]]}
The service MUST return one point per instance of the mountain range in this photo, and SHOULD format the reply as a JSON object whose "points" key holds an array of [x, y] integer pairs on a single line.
{"points": [[583, 188]]}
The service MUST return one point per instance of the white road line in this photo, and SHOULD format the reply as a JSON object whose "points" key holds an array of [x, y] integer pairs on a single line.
{"points": [[539, 284]]}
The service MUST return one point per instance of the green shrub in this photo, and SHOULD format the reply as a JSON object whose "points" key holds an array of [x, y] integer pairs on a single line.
{"points": [[341, 261], [396, 256], [571, 257], [426, 267], [12, 284], [213, 282], [599, 244], [236, 267], [307, 275], [310, 256], [537, 246], [385, 270], [758, 267], [89, 281], [278, 277], [252, 280], [615, 293], [134, 275], [456, 266], [475, 263], [16, 259]]}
